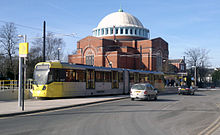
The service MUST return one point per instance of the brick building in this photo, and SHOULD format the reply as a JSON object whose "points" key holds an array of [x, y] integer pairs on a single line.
{"points": [[179, 64], [121, 41]]}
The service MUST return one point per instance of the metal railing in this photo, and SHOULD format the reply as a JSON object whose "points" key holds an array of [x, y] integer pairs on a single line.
{"points": [[13, 84]]}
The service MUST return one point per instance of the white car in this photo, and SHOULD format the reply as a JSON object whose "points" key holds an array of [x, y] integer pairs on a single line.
{"points": [[143, 91]]}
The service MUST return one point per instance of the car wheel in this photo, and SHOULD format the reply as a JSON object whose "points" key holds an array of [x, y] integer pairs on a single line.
{"points": [[193, 93], [155, 98], [148, 97], [132, 99]]}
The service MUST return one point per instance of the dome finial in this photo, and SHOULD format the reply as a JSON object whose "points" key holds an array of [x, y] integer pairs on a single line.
{"points": [[120, 10]]}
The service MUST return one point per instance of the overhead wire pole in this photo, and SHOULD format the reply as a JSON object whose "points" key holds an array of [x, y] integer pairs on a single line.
{"points": [[44, 40]]}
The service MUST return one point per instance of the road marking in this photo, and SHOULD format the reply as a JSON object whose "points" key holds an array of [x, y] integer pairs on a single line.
{"points": [[211, 128]]}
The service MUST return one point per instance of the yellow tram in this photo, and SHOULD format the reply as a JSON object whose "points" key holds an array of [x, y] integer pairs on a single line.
{"points": [[57, 79]]}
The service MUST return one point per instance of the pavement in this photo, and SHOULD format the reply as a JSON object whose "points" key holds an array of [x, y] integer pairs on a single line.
{"points": [[11, 108]]}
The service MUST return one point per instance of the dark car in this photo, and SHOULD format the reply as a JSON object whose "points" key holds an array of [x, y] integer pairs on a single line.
{"points": [[186, 90]]}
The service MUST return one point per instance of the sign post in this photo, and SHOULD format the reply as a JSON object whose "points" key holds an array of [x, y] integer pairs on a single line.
{"points": [[23, 52]]}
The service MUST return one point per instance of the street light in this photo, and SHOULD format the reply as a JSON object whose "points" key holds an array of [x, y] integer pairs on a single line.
{"points": [[194, 74], [59, 53], [23, 36]]}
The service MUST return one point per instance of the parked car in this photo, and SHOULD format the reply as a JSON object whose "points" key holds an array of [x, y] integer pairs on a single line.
{"points": [[143, 91], [186, 90]]}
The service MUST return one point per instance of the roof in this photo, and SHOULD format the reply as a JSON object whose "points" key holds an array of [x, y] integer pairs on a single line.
{"points": [[119, 19], [176, 60]]}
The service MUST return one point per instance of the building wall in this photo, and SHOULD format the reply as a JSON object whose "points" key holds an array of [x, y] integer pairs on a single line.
{"points": [[129, 53]]}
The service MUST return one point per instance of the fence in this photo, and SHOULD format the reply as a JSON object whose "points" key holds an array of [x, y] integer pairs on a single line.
{"points": [[13, 85]]}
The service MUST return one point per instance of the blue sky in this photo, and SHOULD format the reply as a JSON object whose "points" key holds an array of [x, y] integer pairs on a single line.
{"points": [[182, 23]]}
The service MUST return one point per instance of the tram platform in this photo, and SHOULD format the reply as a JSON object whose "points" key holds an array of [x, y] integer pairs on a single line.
{"points": [[11, 108]]}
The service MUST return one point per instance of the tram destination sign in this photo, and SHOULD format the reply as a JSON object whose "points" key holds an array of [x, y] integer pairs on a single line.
{"points": [[42, 67]]}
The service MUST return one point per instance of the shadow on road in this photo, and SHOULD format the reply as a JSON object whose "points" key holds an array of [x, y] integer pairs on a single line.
{"points": [[196, 94], [158, 100], [166, 100]]}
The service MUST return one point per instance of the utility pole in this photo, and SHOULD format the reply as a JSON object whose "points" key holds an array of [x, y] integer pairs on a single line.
{"points": [[194, 74], [44, 41]]}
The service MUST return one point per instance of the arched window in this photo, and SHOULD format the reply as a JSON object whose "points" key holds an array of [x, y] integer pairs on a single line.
{"points": [[111, 31], [159, 60], [126, 31], [106, 31], [131, 32], [116, 31], [98, 32], [102, 31], [121, 31]]}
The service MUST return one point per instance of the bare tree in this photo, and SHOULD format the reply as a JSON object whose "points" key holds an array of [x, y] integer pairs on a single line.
{"points": [[199, 58], [52, 45], [8, 42], [2, 65]]}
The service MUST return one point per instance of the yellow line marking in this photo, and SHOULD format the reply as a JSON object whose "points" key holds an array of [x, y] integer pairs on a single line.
{"points": [[211, 128]]}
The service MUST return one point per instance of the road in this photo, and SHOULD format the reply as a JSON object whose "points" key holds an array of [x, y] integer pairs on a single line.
{"points": [[170, 115]]}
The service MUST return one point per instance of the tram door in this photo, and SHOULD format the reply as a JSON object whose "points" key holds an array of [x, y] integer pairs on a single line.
{"points": [[115, 84], [90, 79]]}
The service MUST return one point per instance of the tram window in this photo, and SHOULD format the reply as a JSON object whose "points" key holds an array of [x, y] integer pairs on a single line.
{"points": [[61, 75], [50, 78], [70, 76], [99, 76], [136, 77], [131, 77], [107, 76], [142, 78], [80, 76], [74, 76], [121, 78], [147, 78], [157, 78]]}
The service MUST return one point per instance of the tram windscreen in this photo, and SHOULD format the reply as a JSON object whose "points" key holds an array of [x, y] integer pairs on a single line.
{"points": [[41, 74]]}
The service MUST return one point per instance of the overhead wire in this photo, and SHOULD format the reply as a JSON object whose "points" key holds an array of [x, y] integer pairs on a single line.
{"points": [[33, 28], [39, 29]]}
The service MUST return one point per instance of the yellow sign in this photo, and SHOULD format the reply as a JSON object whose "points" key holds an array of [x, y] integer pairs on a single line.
{"points": [[23, 49]]}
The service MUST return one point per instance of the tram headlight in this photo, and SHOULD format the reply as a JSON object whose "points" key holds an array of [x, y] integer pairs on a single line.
{"points": [[44, 87]]}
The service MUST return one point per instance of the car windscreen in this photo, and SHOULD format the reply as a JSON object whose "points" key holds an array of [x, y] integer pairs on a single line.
{"points": [[138, 87], [184, 86]]}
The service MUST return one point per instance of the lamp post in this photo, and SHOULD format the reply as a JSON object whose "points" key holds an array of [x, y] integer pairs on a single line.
{"points": [[59, 53], [194, 74]]}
